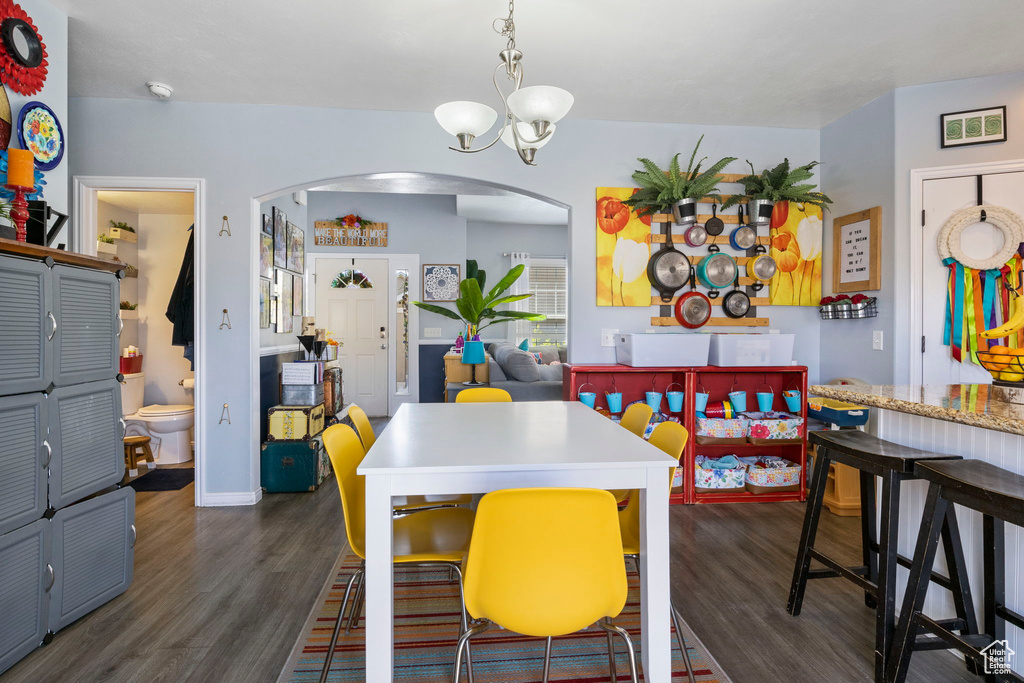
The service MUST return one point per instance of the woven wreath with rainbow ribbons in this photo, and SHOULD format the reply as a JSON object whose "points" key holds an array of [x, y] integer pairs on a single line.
{"points": [[983, 296]]}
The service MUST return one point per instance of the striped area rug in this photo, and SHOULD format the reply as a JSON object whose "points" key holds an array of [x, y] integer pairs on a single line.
{"points": [[426, 631]]}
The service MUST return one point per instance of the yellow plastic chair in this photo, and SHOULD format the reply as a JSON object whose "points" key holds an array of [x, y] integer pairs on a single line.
{"points": [[483, 395], [403, 504], [437, 537], [635, 419], [671, 438], [546, 562]]}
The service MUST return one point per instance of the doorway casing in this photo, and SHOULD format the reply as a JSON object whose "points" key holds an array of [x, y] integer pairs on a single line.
{"points": [[83, 240]]}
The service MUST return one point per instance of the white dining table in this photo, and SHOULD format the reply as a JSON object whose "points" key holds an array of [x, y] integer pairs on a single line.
{"points": [[451, 448]]}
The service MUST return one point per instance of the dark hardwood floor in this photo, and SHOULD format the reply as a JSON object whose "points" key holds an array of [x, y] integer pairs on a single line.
{"points": [[221, 594]]}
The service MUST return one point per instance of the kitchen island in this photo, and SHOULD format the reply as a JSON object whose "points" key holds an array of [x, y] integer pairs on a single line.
{"points": [[961, 419]]}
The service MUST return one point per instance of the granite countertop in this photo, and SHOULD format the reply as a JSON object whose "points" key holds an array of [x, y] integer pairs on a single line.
{"points": [[968, 404]]}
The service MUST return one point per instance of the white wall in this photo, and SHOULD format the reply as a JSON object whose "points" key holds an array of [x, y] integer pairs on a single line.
{"points": [[236, 149], [857, 173], [162, 242]]}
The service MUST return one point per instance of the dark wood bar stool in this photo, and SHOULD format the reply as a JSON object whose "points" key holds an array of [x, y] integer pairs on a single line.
{"points": [[999, 496], [877, 576]]}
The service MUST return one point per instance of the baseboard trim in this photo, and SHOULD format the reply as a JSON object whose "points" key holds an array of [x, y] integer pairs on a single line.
{"points": [[232, 498]]}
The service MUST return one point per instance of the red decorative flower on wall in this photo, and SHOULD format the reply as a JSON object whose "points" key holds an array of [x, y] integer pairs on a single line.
{"points": [[24, 80]]}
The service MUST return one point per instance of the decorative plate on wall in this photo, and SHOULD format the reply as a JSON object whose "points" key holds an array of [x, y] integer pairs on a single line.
{"points": [[40, 133], [22, 51]]}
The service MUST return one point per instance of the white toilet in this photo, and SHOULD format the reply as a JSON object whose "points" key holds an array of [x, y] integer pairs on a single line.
{"points": [[169, 427]]}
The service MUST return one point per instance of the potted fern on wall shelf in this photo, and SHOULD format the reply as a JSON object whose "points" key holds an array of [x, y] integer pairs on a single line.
{"points": [[782, 183], [676, 191]]}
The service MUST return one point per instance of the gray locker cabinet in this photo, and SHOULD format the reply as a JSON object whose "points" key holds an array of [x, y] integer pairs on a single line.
{"points": [[25, 579], [93, 555], [86, 307], [24, 457], [86, 432], [25, 324]]}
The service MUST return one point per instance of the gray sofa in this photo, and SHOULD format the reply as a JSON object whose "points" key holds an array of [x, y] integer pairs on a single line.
{"points": [[517, 372]]}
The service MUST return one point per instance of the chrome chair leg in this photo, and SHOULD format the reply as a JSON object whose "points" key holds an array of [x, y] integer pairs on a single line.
{"points": [[547, 659], [609, 627], [476, 629], [676, 619], [337, 624], [464, 626], [357, 604], [613, 672]]}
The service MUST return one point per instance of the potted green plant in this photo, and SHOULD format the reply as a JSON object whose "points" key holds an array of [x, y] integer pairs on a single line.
{"points": [[122, 231], [105, 244], [676, 191], [478, 311], [781, 183]]}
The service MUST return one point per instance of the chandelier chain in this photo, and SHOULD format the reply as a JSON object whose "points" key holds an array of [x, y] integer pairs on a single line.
{"points": [[507, 26]]}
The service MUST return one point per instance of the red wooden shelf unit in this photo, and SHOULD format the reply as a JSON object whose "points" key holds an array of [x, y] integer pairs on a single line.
{"points": [[718, 382]]}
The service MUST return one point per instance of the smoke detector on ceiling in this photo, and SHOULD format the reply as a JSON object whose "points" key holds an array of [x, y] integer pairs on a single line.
{"points": [[161, 91]]}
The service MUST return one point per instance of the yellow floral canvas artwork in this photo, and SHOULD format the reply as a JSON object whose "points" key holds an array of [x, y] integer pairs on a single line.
{"points": [[623, 249], [795, 231]]}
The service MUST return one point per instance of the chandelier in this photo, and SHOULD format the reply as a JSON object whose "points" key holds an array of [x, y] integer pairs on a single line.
{"points": [[530, 113]]}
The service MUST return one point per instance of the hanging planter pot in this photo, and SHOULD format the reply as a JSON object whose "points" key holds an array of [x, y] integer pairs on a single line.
{"points": [[759, 211], [684, 212]]}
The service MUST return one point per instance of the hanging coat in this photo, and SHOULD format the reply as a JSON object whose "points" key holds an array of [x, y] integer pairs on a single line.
{"points": [[181, 308]]}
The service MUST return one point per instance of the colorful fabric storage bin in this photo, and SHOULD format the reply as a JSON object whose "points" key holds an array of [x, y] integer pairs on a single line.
{"points": [[774, 428], [779, 475], [718, 430], [710, 480]]}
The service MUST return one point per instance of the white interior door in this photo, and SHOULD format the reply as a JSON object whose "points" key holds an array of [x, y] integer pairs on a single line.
{"points": [[359, 318], [941, 198]]}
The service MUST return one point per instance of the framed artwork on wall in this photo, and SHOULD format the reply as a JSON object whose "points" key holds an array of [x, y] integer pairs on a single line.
{"points": [[266, 256], [273, 310], [280, 239], [264, 303], [268, 225], [973, 127], [296, 295], [441, 281], [857, 251], [296, 239]]}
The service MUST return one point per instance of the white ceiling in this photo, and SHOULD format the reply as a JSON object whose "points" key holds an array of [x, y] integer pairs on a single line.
{"points": [[515, 208], [790, 63], [163, 203]]}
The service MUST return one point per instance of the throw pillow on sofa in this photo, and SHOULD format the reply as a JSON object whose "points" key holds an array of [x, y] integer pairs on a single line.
{"points": [[550, 373], [516, 364]]}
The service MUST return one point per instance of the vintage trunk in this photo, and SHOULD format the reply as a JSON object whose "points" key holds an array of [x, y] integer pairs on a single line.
{"points": [[293, 466], [295, 423]]}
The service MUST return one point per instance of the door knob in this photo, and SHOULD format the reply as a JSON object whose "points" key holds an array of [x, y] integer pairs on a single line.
{"points": [[383, 346]]}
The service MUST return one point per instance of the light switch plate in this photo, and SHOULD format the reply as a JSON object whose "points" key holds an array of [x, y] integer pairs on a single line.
{"points": [[876, 340], [432, 332], [608, 337]]}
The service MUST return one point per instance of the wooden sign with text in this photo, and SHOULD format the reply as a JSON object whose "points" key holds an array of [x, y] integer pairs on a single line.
{"points": [[330, 234]]}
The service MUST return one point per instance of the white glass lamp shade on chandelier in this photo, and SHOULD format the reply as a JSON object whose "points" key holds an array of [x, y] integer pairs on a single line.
{"points": [[530, 112]]}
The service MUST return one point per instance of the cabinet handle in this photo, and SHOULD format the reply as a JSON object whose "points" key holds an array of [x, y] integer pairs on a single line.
{"points": [[53, 322], [124, 428], [49, 452], [135, 535], [120, 324], [52, 575]]}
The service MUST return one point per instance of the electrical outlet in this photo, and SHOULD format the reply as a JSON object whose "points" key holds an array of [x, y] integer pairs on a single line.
{"points": [[432, 332], [876, 340], [608, 337]]}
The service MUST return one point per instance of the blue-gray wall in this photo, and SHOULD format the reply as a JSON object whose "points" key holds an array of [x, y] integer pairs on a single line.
{"points": [[488, 242], [917, 146], [857, 172], [235, 149]]}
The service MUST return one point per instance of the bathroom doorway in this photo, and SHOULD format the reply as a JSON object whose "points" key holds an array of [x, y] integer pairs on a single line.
{"points": [[153, 229]]}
